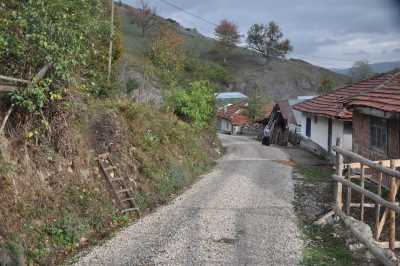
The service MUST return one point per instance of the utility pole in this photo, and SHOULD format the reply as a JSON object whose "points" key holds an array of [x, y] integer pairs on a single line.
{"points": [[111, 43]]}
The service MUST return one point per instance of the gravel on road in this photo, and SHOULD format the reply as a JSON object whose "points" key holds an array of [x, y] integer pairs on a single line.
{"points": [[239, 214]]}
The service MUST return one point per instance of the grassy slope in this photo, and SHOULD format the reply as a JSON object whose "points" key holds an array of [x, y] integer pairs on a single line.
{"points": [[50, 202], [279, 79]]}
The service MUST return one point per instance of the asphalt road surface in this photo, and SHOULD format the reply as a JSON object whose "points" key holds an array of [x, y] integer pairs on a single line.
{"points": [[239, 214]]}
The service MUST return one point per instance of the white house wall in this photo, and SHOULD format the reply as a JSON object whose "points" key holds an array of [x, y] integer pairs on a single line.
{"points": [[319, 131], [225, 126]]}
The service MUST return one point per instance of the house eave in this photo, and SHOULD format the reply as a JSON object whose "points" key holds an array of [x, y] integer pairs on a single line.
{"points": [[327, 116], [376, 112]]}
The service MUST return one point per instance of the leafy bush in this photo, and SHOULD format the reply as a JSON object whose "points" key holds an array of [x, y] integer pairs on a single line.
{"points": [[196, 104], [70, 35], [131, 85], [66, 231], [32, 99], [168, 55], [173, 181], [217, 73], [207, 71]]}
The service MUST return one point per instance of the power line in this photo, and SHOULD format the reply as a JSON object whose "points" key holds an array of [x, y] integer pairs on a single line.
{"points": [[188, 12]]}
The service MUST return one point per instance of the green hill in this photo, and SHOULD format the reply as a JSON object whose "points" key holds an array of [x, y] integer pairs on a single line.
{"points": [[279, 79]]}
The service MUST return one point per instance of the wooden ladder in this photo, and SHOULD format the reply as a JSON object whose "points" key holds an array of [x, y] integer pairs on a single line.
{"points": [[122, 193]]}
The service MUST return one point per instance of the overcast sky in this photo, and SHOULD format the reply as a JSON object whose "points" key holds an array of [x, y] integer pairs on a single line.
{"points": [[330, 33]]}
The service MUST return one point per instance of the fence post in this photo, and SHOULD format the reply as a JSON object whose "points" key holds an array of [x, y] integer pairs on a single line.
{"points": [[378, 206], [392, 213], [339, 172], [362, 176], [348, 195]]}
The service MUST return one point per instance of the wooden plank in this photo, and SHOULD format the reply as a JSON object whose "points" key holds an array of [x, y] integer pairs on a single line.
{"points": [[348, 194], [339, 172], [386, 212], [382, 223], [385, 244], [368, 194], [108, 178], [362, 183], [324, 218], [385, 163], [366, 205], [378, 252], [392, 214], [378, 206], [14, 79], [7, 88], [371, 164]]}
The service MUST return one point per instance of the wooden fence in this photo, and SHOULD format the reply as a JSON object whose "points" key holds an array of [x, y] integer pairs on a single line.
{"points": [[380, 177]]}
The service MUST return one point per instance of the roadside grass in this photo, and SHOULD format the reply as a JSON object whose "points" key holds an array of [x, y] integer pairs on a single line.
{"points": [[315, 174], [322, 248], [322, 245]]}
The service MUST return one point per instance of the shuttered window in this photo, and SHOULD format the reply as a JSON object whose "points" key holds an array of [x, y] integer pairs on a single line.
{"points": [[378, 133]]}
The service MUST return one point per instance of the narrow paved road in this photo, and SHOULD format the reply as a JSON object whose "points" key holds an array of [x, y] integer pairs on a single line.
{"points": [[240, 214]]}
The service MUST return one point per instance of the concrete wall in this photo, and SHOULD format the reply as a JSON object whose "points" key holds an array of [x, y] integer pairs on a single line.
{"points": [[319, 131]]}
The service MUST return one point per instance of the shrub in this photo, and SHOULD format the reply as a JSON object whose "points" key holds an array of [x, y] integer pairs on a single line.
{"points": [[70, 35], [207, 71], [131, 85], [172, 181], [66, 231], [196, 104], [217, 73]]}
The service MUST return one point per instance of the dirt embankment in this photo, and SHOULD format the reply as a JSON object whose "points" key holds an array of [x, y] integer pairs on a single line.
{"points": [[54, 201]]}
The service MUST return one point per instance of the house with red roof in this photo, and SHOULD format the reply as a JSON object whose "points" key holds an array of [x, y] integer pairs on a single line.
{"points": [[376, 119], [327, 117], [232, 118]]}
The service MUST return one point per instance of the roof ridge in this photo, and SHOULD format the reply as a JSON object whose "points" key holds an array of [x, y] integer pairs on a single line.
{"points": [[392, 74]]}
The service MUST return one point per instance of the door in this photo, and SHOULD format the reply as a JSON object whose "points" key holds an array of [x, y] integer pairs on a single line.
{"points": [[329, 135], [308, 127]]}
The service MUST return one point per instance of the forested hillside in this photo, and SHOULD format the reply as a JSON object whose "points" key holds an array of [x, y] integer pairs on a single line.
{"points": [[243, 70]]}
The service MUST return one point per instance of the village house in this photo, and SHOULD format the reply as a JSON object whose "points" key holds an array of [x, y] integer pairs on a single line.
{"points": [[376, 120], [325, 118], [283, 123], [232, 118]]}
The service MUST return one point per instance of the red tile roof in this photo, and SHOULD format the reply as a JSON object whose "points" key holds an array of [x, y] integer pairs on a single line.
{"points": [[385, 97], [239, 119], [333, 104], [234, 113]]}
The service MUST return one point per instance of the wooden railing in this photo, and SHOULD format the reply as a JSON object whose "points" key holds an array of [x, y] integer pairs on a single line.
{"points": [[7, 87], [380, 177]]}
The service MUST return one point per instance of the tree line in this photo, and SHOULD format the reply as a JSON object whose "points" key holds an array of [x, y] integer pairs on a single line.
{"points": [[267, 40]]}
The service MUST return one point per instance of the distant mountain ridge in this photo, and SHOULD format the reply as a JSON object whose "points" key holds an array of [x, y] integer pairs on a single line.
{"points": [[377, 68]]}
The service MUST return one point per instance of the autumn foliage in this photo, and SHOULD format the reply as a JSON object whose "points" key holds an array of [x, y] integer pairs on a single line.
{"points": [[144, 17], [167, 53], [227, 34]]}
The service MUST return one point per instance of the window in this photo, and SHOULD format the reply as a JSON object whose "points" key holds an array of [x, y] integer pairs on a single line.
{"points": [[348, 127], [378, 133], [308, 127]]}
